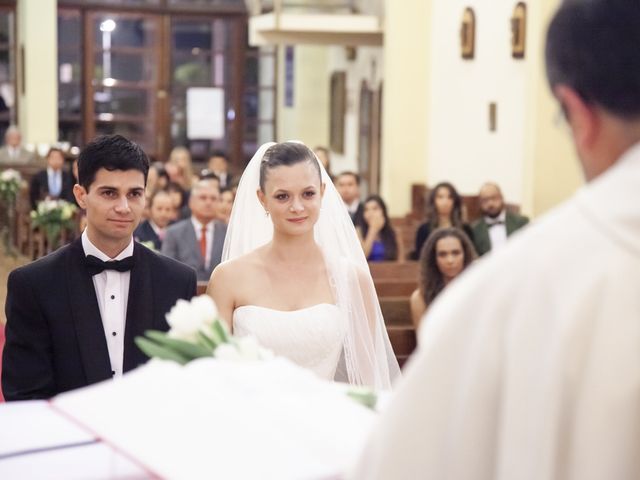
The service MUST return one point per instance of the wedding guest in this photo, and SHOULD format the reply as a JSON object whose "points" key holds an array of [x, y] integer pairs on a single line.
{"points": [[348, 185], [444, 256], [178, 199], [444, 209], [491, 231], [161, 212], [157, 178], [73, 315], [211, 177], [13, 151], [324, 155], [218, 164], [294, 275], [197, 241], [226, 204], [179, 167], [528, 365], [53, 182], [379, 238]]}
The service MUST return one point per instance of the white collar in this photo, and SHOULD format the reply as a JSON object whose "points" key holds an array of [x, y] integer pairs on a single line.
{"points": [[90, 249], [155, 227], [198, 226], [501, 218], [353, 206], [612, 199]]}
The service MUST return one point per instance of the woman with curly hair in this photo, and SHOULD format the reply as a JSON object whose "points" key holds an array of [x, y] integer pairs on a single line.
{"points": [[444, 209], [379, 239], [445, 255]]}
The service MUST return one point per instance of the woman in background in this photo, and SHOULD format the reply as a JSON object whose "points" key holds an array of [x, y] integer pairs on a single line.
{"points": [[179, 167], [445, 255], [226, 204], [444, 209], [379, 239]]}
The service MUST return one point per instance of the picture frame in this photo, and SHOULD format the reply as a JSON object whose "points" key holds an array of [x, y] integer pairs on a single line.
{"points": [[468, 34], [519, 31], [337, 112]]}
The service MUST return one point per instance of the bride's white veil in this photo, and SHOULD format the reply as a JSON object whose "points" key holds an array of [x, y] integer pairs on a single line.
{"points": [[368, 356]]}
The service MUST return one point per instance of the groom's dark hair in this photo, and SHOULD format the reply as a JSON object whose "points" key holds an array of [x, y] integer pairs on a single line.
{"points": [[111, 152], [286, 154]]}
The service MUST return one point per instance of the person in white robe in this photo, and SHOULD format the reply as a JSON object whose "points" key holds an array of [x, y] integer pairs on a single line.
{"points": [[529, 365]]}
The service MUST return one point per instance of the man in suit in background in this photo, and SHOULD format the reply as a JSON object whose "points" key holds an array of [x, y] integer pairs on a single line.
{"points": [[161, 211], [73, 315], [53, 182], [218, 165], [198, 241], [12, 152], [491, 231], [348, 185]]}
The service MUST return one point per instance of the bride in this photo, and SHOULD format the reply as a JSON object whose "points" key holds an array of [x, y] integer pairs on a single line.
{"points": [[294, 274]]}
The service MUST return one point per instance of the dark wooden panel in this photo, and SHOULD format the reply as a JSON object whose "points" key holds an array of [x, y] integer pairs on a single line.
{"points": [[403, 339], [394, 270], [395, 288], [396, 311]]}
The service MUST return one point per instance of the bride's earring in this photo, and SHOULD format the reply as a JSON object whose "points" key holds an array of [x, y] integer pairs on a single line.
{"points": [[266, 213]]}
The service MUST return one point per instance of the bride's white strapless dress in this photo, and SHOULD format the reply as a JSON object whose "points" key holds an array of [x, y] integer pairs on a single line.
{"points": [[311, 337]]}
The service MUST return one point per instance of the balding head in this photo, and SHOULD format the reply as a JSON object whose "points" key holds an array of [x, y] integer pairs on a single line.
{"points": [[12, 136], [491, 201], [203, 201]]}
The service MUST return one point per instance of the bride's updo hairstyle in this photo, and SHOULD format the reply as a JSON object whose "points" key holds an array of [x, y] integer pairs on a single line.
{"points": [[287, 154]]}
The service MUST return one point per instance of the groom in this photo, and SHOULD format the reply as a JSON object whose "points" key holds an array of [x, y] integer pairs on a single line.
{"points": [[72, 316]]}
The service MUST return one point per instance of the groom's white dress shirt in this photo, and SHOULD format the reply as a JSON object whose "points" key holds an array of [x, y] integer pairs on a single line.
{"points": [[112, 292]]}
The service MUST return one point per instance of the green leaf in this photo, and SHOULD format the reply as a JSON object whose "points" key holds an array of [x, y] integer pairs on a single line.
{"points": [[153, 350], [206, 341], [219, 329], [184, 348], [364, 397]]}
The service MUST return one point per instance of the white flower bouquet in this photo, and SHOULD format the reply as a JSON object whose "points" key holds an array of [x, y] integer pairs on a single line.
{"points": [[10, 182], [54, 216], [196, 331]]}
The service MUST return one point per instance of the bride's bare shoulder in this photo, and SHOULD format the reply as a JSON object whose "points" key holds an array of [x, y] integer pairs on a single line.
{"points": [[238, 267]]}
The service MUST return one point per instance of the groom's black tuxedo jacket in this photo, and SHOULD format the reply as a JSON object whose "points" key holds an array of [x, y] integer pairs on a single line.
{"points": [[55, 339]]}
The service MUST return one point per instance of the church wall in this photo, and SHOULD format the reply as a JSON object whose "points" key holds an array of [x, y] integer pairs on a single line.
{"points": [[367, 66], [306, 120], [405, 103], [462, 149], [530, 153], [38, 103]]}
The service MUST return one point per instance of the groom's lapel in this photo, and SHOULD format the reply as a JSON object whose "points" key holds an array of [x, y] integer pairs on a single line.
{"points": [[86, 316], [139, 307]]}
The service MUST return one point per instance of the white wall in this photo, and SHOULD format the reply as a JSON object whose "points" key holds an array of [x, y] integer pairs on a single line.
{"points": [[461, 148], [368, 65], [38, 105], [307, 119]]}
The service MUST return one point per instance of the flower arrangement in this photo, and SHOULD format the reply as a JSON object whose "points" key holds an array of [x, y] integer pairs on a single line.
{"points": [[54, 216], [196, 332], [149, 244], [10, 182]]}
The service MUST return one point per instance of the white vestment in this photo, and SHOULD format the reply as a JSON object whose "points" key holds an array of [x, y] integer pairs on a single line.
{"points": [[529, 364]]}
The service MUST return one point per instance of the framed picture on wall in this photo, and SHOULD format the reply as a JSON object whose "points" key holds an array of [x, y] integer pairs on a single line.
{"points": [[468, 34], [519, 30], [337, 111]]}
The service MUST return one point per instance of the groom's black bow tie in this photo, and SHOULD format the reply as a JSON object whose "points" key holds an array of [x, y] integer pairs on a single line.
{"points": [[492, 223], [96, 266]]}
